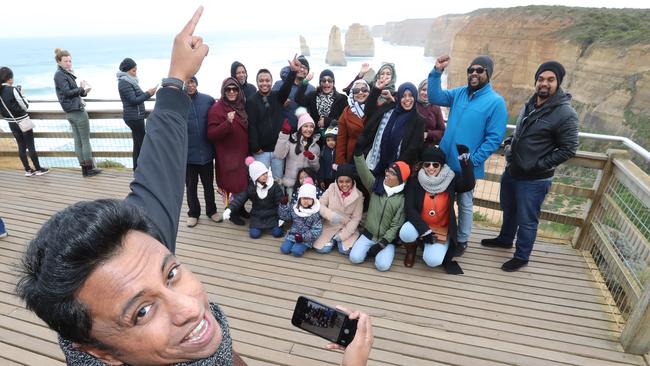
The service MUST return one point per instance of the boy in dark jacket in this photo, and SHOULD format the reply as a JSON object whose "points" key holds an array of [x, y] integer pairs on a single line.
{"points": [[328, 157]]}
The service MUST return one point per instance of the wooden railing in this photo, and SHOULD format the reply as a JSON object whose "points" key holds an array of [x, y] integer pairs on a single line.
{"points": [[613, 231]]}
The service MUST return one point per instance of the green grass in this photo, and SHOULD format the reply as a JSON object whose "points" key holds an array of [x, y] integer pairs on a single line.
{"points": [[109, 164]]}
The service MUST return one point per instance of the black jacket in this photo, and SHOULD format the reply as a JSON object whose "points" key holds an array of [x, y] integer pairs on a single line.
{"points": [[413, 138], [264, 211], [543, 139], [67, 91], [309, 101], [132, 100], [265, 123], [9, 97], [414, 202]]}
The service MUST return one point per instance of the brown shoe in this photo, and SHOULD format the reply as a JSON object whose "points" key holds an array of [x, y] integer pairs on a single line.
{"points": [[411, 250]]}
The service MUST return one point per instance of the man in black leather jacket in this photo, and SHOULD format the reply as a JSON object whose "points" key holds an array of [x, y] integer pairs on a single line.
{"points": [[545, 137]]}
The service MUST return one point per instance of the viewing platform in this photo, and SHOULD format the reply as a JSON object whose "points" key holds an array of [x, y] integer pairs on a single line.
{"points": [[583, 299]]}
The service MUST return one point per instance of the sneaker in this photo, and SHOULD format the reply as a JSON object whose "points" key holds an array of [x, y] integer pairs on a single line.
{"points": [[42, 171], [4, 235], [216, 217], [29, 173], [192, 221], [495, 243], [460, 248], [514, 265]]}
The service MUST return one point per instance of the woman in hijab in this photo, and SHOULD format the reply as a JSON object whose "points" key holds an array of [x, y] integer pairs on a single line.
{"points": [[388, 74], [228, 131], [351, 122], [433, 121], [325, 104]]}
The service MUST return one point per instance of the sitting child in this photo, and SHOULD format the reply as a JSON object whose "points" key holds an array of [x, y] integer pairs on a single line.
{"points": [[306, 225], [326, 173], [385, 213], [265, 197], [303, 174], [341, 207]]}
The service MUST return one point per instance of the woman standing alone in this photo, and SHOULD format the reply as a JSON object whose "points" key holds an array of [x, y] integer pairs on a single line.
{"points": [[69, 95]]}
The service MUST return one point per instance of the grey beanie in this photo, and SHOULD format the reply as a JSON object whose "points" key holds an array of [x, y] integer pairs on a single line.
{"points": [[486, 62]]}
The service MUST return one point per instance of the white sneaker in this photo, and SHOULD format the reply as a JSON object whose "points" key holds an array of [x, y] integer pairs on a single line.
{"points": [[4, 235], [29, 173], [192, 221], [42, 171]]}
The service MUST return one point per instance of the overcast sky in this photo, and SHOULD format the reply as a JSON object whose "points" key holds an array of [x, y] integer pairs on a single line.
{"points": [[40, 18]]}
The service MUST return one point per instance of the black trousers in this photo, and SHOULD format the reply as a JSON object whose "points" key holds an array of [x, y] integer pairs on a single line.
{"points": [[192, 175], [137, 132], [25, 142]]}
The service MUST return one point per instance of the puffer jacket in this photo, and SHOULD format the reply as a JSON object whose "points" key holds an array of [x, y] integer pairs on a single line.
{"points": [[132, 100], [286, 149], [200, 150], [350, 209], [544, 138], [67, 91], [264, 211], [309, 227], [14, 100]]}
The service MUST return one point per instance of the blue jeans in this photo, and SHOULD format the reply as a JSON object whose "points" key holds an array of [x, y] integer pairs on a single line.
{"points": [[465, 215], [434, 253], [257, 233], [521, 202], [328, 248], [384, 258], [290, 246], [270, 161], [3, 230]]}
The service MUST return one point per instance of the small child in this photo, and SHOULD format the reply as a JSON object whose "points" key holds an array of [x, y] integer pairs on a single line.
{"points": [[265, 197], [328, 157], [303, 174], [306, 224]]}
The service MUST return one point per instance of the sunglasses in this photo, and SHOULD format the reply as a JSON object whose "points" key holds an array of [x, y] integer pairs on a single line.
{"points": [[327, 80], [434, 164], [479, 70], [359, 90], [231, 89]]}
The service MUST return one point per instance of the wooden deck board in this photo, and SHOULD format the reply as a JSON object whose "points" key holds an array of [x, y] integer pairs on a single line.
{"points": [[550, 313]]}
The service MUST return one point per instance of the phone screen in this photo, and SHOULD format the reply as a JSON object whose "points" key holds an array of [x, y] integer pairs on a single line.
{"points": [[323, 321]]}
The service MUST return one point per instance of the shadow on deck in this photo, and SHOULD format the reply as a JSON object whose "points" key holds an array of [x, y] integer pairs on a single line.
{"points": [[550, 313]]}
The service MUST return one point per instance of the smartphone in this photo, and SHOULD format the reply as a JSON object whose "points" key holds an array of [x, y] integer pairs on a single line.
{"points": [[324, 321]]}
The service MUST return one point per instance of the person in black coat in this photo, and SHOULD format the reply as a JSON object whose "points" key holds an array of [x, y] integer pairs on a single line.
{"points": [[238, 71], [325, 104], [429, 208], [133, 103]]}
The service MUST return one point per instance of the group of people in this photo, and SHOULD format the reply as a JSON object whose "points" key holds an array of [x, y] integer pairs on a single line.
{"points": [[157, 312]]}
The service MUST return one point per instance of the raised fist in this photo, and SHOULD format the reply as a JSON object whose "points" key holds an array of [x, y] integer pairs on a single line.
{"points": [[286, 127], [442, 62]]}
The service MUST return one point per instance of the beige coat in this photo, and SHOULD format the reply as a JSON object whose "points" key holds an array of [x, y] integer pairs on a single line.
{"points": [[351, 209]]}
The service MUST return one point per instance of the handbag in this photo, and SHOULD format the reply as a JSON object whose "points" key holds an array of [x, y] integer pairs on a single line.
{"points": [[25, 124]]}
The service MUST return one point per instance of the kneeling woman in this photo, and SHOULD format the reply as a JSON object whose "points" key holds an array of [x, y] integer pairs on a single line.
{"points": [[341, 207], [429, 208]]}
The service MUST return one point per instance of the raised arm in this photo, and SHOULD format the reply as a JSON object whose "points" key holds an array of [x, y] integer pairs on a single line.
{"points": [[436, 94], [159, 181]]}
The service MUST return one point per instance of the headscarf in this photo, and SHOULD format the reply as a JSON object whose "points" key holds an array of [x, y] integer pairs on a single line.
{"points": [[391, 139], [356, 107], [391, 85], [233, 71], [239, 105], [420, 100]]}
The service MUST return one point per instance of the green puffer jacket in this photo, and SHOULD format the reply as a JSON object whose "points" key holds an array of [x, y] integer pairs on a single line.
{"points": [[385, 214]]}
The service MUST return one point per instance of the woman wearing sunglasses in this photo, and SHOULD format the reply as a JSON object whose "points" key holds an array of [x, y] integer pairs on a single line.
{"points": [[351, 122], [325, 104], [429, 208], [228, 131]]}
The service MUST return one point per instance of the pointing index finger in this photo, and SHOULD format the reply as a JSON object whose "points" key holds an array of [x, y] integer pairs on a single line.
{"points": [[191, 25]]}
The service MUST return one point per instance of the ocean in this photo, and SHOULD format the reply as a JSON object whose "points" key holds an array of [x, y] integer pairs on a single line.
{"points": [[96, 59]]}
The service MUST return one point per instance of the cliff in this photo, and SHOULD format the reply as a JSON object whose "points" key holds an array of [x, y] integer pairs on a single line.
{"points": [[304, 49], [409, 32], [359, 42], [335, 56]]}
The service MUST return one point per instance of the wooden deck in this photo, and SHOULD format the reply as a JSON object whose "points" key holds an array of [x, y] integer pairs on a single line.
{"points": [[550, 313]]}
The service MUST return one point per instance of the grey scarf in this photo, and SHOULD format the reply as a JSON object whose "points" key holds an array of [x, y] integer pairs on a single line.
{"points": [[223, 356], [128, 78], [438, 183]]}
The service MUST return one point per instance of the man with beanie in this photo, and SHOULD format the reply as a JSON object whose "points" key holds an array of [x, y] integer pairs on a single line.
{"points": [[546, 136], [238, 71], [200, 156], [291, 105], [477, 119]]}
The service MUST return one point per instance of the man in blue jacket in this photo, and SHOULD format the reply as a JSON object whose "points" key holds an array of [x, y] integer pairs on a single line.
{"points": [[477, 119], [200, 156]]}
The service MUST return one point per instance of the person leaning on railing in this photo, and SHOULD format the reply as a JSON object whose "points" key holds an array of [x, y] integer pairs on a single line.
{"points": [[14, 108], [130, 301], [69, 95]]}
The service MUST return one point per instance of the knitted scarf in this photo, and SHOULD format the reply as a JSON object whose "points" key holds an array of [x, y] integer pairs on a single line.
{"points": [[223, 356], [436, 184], [263, 189], [128, 78], [324, 103], [306, 212]]}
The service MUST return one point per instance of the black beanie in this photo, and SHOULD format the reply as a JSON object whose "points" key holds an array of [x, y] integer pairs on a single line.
{"points": [[433, 154], [193, 78], [303, 60], [486, 62], [326, 72], [345, 170], [127, 64], [554, 67]]}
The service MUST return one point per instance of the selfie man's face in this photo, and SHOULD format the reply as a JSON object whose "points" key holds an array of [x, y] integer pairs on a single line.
{"points": [[148, 307]]}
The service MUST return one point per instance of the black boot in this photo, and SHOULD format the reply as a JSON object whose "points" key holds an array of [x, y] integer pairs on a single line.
{"points": [[90, 169], [411, 250], [495, 243], [460, 248], [235, 219]]}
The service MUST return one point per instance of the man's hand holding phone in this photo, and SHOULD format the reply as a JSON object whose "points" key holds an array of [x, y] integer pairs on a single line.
{"points": [[358, 351]]}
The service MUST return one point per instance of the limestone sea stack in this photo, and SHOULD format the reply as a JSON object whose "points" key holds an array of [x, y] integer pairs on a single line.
{"points": [[359, 42], [335, 56], [304, 49]]}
